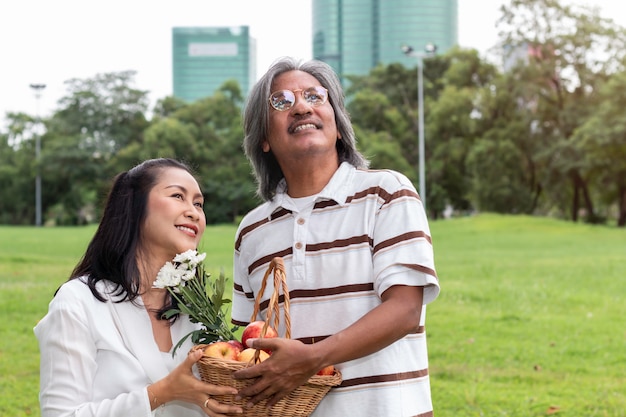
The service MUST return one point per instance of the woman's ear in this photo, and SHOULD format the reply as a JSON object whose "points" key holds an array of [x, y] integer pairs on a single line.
{"points": [[265, 146]]}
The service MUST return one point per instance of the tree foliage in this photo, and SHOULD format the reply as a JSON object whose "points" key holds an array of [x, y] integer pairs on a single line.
{"points": [[542, 134], [570, 52]]}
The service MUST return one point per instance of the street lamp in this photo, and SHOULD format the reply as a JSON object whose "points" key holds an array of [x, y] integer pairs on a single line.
{"points": [[429, 50], [38, 89]]}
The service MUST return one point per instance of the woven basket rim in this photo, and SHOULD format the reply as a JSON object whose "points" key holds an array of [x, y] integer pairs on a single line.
{"points": [[324, 380]]}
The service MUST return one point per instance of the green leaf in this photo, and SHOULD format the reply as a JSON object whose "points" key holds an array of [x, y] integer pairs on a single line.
{"points": [[202, 299]]}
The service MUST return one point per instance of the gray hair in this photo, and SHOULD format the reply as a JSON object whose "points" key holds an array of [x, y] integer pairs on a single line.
{"points": [[256, 122]]}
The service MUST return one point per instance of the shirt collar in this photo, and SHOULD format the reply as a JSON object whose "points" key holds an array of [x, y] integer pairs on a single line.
{"points": [[337, 189]]}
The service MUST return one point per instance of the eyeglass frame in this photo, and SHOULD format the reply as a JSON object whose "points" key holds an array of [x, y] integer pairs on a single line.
{"points": [[302, 92]]}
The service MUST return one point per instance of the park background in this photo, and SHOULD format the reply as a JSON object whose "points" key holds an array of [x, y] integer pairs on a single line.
{"points": [[526, 180], [545, 137], [529, 322]]}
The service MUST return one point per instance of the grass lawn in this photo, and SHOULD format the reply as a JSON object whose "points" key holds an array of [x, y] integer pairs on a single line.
{"points": [[530, 320]]}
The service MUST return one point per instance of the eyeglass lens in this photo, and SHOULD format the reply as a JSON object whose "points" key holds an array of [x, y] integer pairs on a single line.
{"points": [[285, 99]]}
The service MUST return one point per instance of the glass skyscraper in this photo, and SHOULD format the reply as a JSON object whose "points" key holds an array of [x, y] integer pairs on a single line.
{"points": [[203, 58], [354, 36]]}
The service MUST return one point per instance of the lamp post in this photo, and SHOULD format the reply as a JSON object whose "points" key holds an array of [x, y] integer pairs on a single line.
{"points": [[38, 89], [429, 50]]}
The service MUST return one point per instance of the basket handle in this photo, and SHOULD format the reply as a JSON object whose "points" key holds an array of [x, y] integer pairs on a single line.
{"points": [[273, 311]]}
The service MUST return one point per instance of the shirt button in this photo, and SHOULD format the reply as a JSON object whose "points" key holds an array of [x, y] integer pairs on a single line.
{"points": [[298, 245], [300, 220]]}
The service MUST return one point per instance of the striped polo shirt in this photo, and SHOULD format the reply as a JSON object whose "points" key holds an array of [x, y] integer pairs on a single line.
{"points": [[364, 232]]}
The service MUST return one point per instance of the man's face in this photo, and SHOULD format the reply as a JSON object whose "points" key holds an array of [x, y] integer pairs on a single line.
{"points": [[305, 130]]}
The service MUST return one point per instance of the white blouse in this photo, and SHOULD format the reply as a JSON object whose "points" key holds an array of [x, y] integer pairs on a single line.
{"points": [[97, 358]]}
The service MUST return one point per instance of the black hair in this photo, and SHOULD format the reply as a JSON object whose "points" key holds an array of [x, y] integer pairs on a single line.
{"points": [[112, 252]]}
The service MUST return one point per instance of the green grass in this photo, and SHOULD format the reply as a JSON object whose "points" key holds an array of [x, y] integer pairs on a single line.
{"points": [[530, 320]]}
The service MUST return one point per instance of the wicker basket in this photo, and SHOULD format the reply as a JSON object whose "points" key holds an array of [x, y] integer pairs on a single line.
{"points": [[300, 402]]}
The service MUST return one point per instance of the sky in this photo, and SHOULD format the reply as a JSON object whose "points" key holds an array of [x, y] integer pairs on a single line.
{"points": [[51, 41]]}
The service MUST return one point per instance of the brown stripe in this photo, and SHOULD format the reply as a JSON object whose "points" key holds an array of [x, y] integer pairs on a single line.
{"points": [[314, 339], [426, 414], [403, 193], [311, 340], [239, 323], [276, 215], [383, 194], [342, 289], [247, 230], [418, 234], [375, 191], [339, 243], [376, 379], [320, 292], [239, 288], [265, 261], [422, 268], [324, 203]]}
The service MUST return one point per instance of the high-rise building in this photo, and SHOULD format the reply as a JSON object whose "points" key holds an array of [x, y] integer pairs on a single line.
{"points": [[353, 36], [203, 58]]}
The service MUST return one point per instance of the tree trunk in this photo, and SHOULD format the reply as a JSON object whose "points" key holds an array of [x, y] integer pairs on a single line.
{"points": [[621, 218], [537, 194], [575, 201], [580, 186], [591, 215]]}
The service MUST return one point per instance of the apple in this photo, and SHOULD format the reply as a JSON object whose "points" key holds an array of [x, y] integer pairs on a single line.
{"points": [[236, 344], [221, 350], [253, 331], [247, 355], [327, 370]]}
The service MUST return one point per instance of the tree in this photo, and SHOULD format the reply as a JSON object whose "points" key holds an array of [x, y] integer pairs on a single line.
{"points": [[568, 52], [381, 129], [454, 125], [505, 115], [18, 170], [601, 144], [98, 117], [384, 105], [207, 134], [499, 185], [105, 112]]}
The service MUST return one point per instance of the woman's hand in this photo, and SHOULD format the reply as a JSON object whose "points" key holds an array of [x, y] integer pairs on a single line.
{"points": [[181, 384]]}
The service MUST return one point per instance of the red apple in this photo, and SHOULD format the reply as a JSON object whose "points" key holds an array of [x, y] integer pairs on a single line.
{"points": [[221, 350], [236, 344], [327, 370], [247, 355], [253, 331]]}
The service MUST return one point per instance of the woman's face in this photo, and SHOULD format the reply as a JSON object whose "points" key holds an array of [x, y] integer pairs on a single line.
{"points": [[175, 220]]}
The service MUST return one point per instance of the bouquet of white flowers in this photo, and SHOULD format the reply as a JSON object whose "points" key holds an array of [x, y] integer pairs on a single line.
{"points": [[196, 295]]}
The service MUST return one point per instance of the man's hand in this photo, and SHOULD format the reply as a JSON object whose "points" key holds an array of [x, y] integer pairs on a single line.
{"points": [[291, 364]]}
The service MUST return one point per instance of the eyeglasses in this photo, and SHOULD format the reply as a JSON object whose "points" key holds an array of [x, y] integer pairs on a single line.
{"points": [[283, 100]]}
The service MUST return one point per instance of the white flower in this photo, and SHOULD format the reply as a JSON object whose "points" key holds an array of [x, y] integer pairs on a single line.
{"points": [[196, 295], [188, 274], [168, 276], [176, 274], [190, 258]]}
